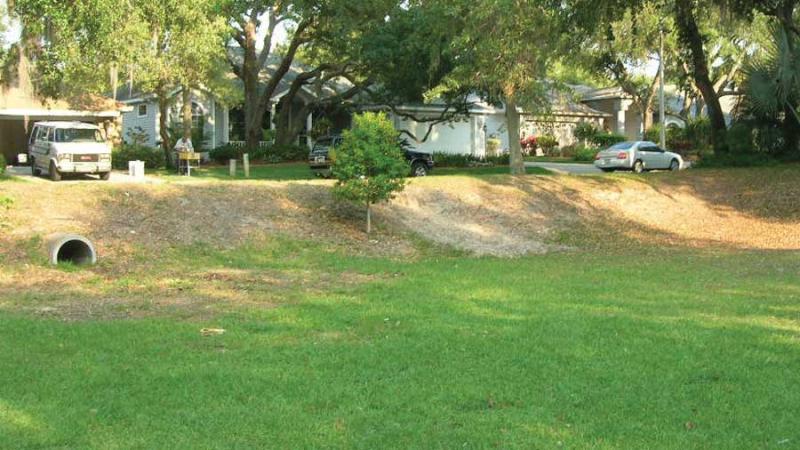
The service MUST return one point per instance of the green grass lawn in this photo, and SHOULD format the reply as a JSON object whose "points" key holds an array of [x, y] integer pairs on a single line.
{"points": [[654, 349], [300, 171]]}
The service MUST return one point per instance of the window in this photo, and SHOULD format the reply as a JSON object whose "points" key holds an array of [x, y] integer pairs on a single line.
{"points": [[649, 148], [622, 146], [142, 110], [197, 116], [78, 135]]}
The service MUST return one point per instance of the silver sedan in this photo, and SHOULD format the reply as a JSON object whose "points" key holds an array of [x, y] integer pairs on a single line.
{"points": [[638, 156]]}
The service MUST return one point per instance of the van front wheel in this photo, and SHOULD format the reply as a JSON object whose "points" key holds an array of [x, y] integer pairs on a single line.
{"points": [[55, 175]]}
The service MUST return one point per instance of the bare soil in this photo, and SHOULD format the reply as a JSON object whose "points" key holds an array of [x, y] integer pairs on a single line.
{"points": [[497, 215]]}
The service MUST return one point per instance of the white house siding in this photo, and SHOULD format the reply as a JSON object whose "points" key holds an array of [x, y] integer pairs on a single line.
{"points": [[452, 137], [220, 125], [496, 128], [148, 123], [214, 129]]}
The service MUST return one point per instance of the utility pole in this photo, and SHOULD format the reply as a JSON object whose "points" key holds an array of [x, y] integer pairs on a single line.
{"points": [[661, 111]]}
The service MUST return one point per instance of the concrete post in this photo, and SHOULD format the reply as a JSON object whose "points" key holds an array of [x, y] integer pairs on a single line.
{"points": [[232, 167], [246, 165]]}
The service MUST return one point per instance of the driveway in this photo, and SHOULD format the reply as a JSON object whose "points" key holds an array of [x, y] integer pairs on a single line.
{"points": [[567, 168], [116, 177]]}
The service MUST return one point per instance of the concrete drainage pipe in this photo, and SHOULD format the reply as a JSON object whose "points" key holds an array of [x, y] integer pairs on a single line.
{"points": [[71, 248]]}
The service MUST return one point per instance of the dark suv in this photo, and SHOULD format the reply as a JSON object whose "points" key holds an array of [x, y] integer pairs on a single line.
{"points": [[421, 163]]}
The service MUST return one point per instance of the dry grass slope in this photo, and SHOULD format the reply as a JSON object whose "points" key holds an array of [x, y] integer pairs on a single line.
{"points": [[492, 215]]}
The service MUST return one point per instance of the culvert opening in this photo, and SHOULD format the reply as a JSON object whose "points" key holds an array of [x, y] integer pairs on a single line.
{"points": [[72, 250]]}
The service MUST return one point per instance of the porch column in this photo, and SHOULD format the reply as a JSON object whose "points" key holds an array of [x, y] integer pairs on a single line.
{"points": [[309, 125], [272, 116], [621, 109], [225, 125]]}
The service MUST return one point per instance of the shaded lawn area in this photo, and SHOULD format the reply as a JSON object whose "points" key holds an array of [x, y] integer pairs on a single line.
{"points": [[677, 349], [301, 171]]}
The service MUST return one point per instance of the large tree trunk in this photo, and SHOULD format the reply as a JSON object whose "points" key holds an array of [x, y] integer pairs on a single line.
{"points": [[186, 113], [163, 124], [256, 98], [253, 116], [690, 35], [517, 164], [289, 122]]}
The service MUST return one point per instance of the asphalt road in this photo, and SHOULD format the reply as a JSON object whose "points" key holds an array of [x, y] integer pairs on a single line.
{"points": [[567, 168]]}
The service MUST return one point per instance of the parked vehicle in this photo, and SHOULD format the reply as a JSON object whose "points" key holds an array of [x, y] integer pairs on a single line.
{"points": [[68, 147], [319, 159], [638, 156]]}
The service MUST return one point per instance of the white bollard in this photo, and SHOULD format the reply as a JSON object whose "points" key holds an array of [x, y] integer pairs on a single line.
{"points": [[246, 164], [136, 170], [232, 168]]}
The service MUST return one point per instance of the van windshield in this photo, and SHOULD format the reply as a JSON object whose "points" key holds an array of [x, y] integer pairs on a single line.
{"points": [[78, 135]]}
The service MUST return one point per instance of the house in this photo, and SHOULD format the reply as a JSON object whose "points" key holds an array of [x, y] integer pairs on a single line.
{"points": [[483, 131], [141, 121], [21, 107], [626, 118], [223, 124]]}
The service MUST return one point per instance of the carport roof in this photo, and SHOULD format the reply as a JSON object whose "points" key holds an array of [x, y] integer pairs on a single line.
{"points": [[45, 113]]}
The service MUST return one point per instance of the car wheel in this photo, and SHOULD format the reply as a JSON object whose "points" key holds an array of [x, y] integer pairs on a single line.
{"points": [[638, 166], [55, 175], [674, 165], [105, 176], [419, 170]]}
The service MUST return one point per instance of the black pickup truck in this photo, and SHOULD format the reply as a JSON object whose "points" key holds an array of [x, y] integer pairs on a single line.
{"points": [[421, 163]]}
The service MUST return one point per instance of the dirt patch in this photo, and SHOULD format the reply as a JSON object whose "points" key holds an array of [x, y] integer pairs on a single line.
{"points": [[496, 215]]}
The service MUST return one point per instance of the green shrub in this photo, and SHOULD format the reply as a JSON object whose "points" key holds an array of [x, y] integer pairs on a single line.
{"points": [[547, 142], [153, 157], [583, 153], [3, 164], [677, 140], [268, 135], [499, 160], [370, 166], [752, 159], [453, 160], [224, 153], [698, 132], [605, 140], [568, 151], [493, 146], [739, 138], [285, 153], [459, 160], [585, 131]]}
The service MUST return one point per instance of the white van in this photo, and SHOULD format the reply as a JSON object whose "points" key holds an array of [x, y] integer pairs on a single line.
{"points": [[69, 147]]}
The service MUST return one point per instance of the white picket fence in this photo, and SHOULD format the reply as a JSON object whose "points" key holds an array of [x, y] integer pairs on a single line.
{"points": [[261, 144]]}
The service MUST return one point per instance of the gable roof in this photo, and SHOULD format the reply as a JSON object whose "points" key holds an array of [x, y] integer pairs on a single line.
{"points": [[330, 88], [607, 93]]}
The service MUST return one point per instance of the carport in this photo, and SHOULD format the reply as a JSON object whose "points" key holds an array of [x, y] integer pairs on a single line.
{"points": [[21, 107], [15, 125]]}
